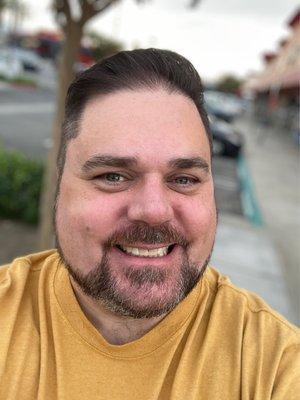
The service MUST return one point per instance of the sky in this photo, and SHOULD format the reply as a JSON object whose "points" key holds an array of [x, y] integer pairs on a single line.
{"points": [[218, 37]]}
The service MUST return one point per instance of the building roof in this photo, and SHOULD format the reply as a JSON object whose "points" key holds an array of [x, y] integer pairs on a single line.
{"points": [[282, 70], [295, 19]]}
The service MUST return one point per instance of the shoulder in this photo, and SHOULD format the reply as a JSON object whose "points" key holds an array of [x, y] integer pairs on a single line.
{"points": [[33, 262], [265, 346], [25, 285], [17, 275], [248, 310]]}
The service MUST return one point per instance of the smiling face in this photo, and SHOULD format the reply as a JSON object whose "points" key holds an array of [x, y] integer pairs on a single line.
{"points": [[136, 216]]}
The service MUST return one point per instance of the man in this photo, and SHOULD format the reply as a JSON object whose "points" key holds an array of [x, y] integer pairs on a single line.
{"points": [[126, 308]]}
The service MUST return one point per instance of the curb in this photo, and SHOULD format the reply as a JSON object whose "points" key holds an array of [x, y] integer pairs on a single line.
{"points": [[4, 86], [250, 205]]}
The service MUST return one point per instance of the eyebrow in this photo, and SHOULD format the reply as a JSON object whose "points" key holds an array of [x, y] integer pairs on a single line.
{"points": [[188, 163], [108, 161], [100, 160]]}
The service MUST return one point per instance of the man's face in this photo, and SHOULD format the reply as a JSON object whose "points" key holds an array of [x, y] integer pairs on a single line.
{"points": [[136, 215]]}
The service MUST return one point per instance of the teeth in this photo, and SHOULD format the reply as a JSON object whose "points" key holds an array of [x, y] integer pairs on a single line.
{"points": [[160, 252]]}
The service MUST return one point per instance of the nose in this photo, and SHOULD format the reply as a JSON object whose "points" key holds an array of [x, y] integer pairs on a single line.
{"points": [[151, 203]]}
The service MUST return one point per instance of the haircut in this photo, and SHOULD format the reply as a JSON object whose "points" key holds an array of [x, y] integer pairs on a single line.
{"points": [[130, 70]]}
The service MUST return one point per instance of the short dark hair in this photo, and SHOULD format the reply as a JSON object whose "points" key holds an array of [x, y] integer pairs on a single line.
{"points": [[130, 70]]}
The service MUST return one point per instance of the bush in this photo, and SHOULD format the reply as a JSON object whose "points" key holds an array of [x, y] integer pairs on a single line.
{"points": [[19, 80], [20, 186]]}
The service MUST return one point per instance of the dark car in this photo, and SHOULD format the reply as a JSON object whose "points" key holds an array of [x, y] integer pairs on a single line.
{"points": [[226, 140], [223, 105]]}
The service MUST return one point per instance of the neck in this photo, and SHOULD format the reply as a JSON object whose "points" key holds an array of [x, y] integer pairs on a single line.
{"points": [[115, 329]]}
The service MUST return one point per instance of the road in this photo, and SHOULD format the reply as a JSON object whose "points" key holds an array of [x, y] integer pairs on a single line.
{"points": [[26, 117]]}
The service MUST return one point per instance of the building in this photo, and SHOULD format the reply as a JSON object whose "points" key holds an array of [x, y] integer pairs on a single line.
{"points": [[276, 88]]}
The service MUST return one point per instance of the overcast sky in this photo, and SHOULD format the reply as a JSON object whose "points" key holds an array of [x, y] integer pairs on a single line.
{"points": [[219, 36]]}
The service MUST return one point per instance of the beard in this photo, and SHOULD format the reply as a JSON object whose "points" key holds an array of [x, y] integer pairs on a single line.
{"points": [[102, 285]]}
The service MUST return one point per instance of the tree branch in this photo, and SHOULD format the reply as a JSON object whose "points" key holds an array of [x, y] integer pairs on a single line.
{"points": [[90, 9], [63, 7], [194, 3]]}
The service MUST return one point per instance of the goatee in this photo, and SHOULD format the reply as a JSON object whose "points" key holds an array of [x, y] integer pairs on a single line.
{"points": [[103, 286]]}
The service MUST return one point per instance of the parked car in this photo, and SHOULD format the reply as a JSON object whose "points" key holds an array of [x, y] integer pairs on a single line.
{"points": [[223, 105], [30, 61], [226, 140], [15, 61], [10, 65]]}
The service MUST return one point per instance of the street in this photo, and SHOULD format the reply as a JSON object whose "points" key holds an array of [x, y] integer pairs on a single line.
{"points": [[25, 119]]}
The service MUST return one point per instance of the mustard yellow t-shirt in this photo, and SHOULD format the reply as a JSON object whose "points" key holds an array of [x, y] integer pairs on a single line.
{"points": [[220, 343]]}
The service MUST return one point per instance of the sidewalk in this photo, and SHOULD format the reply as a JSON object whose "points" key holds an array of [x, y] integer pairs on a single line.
{"points": [[247, 255], [265, 259]]}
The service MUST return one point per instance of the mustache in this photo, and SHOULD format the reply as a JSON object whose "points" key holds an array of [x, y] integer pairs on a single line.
{"points": [[143, 233]]}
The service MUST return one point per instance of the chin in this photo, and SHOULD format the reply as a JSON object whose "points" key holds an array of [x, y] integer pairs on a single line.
{"points": [[138, 293]]}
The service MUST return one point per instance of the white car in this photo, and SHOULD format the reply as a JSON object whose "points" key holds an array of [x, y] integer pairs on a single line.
{"points": [[15, 61], [30, 61], [10, 65]]}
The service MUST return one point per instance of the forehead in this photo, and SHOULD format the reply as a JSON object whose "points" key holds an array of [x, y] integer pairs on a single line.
{"points": [[151, 125]]}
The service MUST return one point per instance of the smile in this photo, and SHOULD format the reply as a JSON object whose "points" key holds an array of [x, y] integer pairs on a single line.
{"points": [[142, 252]]}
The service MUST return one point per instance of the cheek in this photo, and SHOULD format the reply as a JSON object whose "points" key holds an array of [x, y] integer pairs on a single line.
{"points": [[201, 213], [89, 216], [203, 221], [202, 229]]}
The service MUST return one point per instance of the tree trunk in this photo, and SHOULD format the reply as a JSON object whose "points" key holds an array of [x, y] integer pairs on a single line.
{"points": [[73, 35]]}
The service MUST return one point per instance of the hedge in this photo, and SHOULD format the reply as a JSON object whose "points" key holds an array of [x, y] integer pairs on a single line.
{"points": [[20, 186]]}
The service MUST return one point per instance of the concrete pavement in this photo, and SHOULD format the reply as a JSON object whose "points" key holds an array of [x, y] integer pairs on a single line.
{"points": [[248, 256], [264, 257]]}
